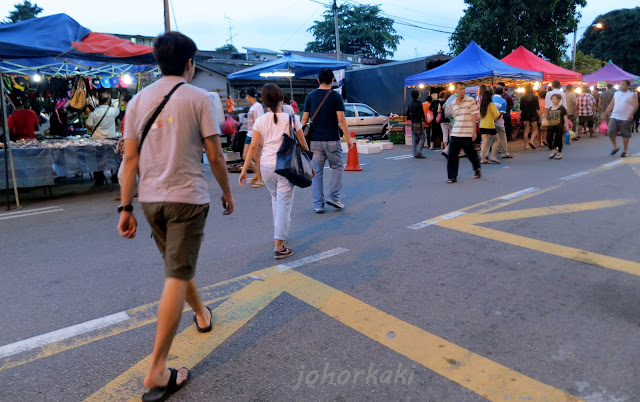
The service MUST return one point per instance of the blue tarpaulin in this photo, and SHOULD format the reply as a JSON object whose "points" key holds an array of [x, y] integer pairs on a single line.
{"points": [[473, 64], [298, 65]]}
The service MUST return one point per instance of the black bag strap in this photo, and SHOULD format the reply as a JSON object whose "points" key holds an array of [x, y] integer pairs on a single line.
{"points": [[155, 115], [103, 116], [320, 106]]}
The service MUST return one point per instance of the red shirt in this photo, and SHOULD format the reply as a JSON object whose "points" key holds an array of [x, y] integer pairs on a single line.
{"points": [[23, 124]]}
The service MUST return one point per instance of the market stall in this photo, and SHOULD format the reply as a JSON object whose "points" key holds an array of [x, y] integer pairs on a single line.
{"points": [[523, 58], [609, 74], [59, 48]]}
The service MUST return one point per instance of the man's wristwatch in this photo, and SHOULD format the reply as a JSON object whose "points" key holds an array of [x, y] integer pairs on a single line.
{"points": [[127, 208]]}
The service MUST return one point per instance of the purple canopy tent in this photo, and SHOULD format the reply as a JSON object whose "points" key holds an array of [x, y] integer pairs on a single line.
{"points": [[610, 74]]}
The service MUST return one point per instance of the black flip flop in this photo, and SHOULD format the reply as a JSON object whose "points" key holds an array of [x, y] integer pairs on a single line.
{"points": [[532, 146], [159, 394], [615, 151], [204, 330]]}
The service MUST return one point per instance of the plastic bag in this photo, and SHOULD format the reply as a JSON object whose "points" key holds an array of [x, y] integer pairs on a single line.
{"points": [[429, 116], [230, 126], [604, 129]]}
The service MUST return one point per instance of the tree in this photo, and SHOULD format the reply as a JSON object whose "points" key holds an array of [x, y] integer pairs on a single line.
{"points": [[501, 26], [362, 31], [228, 48], [618, 40], [585, 63], [23, 12]]}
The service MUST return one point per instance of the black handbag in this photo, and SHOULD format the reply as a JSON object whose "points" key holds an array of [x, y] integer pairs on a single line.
{"points": [[291, 162]]}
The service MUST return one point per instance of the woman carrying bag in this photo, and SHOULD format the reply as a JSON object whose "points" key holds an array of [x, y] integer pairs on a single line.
{"points": [[268, 131]]}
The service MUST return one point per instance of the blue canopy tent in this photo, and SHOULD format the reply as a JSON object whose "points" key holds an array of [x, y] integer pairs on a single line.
{"points": [[288, 66], [58, 40], [473, 66]]}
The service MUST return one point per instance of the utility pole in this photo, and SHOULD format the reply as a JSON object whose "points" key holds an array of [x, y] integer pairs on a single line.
{"points": [[335, 20], [167, 22], [231, 35]]}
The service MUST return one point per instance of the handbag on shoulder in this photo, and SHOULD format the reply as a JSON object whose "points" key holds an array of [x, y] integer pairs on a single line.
{"points": [[291, 162]]}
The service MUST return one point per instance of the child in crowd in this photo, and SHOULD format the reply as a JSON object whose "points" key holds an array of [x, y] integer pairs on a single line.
{"points": [[558, 125]]}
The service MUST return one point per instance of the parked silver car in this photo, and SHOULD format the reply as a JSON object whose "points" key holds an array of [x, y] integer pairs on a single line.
{"points": [[365, 121]]}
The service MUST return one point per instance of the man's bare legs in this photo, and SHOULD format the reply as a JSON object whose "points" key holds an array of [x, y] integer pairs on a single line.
{"points": [[614, 140], [169, 313], [625, 141]]}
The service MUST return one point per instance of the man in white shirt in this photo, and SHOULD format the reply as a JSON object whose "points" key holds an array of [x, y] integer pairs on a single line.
{"points": [[464, 111], [557, 89], [621, 110], [102, 121]]}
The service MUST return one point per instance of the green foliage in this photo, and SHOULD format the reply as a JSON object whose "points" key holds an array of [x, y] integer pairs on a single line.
{"points": [[228, 48], [362, 31], [500, 26], [618, 41], [23, 12], [585, 63]]}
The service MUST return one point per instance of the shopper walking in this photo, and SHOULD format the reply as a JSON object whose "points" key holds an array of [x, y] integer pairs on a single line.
{"points": [[436, 125], [464, 111], [173, 191], [586, 112], [267, 137], [256, 110], [488, 115], [603, 103], [427, 123], [529, 107], [508, 124], [558, 125], [620, 114], [501, 104], [572, 106], [542, 110], [325, 140], [415, 114]]}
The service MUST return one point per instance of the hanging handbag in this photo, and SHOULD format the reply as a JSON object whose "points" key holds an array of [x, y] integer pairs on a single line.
{"points": [[308, 129], [79, 98], [439, 116], [291, 162]]}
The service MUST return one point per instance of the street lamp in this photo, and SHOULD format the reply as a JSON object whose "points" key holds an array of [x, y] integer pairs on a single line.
{"points": [[599, 25]]}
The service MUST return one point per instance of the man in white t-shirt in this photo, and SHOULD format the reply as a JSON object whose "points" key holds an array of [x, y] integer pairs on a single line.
{"points": [[557, 89], [102, 121], [172, 191], [621, 110]]}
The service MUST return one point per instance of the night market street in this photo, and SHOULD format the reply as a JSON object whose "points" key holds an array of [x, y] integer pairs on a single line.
{"points": [[522, 285]]}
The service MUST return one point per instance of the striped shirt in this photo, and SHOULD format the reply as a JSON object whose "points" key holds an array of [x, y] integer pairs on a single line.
{"points": [[586, 105], [464, 115]]}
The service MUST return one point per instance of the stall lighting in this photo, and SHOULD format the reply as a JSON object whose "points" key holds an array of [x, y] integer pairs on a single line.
{"points": [[421, 86], [520, 90], [536, 86], [578, 90], [278, 74], [37, 78], [127, 79], [638, 89], [592, 88], [452, 88], [616, 87]]}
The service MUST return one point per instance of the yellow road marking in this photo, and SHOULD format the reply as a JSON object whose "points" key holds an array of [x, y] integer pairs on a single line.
{"points": [[630, 267], [543, 211], [139, 316], [483, 376]]}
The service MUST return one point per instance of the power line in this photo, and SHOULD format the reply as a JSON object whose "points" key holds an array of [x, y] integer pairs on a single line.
{"points": [[175, 22]]}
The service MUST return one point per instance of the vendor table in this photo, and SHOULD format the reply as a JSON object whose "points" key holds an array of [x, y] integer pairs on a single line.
{"points": [[37, 167]]}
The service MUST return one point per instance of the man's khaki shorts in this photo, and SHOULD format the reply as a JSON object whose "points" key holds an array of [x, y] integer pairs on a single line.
{"points": [[178, 230]]}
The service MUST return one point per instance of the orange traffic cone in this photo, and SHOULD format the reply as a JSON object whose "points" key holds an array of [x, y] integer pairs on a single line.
{"points": [[353, 163]]}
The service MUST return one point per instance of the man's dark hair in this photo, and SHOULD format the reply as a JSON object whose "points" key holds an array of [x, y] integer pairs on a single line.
{"points": [[457, 84], [415, 94], [609, 86], [502, 84], [586, 90], [429, 99], [499, 90], [569, 87], [325, 76], [172, 51], [556, 84], [104, 98], [627, 81], [127, 97]]}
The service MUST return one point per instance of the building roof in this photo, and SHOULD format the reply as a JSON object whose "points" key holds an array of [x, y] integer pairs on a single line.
{"points": [[225, 66], [260, 50]]}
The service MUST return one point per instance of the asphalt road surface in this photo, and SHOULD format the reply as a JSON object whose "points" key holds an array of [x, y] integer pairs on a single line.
{"points": [[523, 285]]}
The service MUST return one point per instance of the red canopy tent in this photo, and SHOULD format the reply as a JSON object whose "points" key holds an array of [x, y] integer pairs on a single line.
{"points": [[523, 58]]}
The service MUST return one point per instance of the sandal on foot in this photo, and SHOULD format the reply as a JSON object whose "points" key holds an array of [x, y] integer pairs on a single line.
{"points": [[494, 161], [258, 185], [253, 180], [623, 155], [558, 156], [207, 329], [452, 181], [532, 146], [159, 394], [484, 161], [478, 174]]}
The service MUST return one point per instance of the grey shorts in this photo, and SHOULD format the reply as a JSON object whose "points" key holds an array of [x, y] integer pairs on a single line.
{"points": [[619, 127], [178, 230]]}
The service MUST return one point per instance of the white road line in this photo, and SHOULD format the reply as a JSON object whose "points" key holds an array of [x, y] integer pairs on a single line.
{"points": [[638, 154], [434, 221], [612, 163], [51, 337], [400, 156], [30, 214], [520, 193], [24, 211], [574, 176], [312, 258]]}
